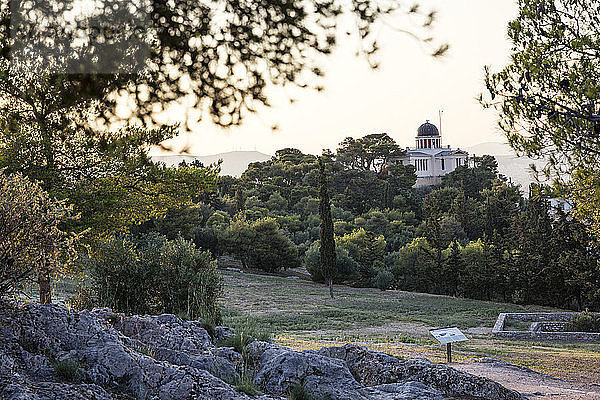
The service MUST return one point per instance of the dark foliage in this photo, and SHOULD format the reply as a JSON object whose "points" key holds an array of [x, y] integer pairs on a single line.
{"points": [[326, 236], [150, 274]]}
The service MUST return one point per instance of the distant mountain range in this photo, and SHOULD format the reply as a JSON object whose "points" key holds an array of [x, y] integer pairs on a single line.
{"points": [[517, 169], [235, 162]]}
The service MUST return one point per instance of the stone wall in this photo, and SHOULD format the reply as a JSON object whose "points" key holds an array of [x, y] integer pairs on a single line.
{"points": [[543, 327]]}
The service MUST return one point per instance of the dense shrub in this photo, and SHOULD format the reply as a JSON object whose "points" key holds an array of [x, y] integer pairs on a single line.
{"points": [[347, 268], [151, 274], [365, 247], [244, 383], [260, 244], [414, 267], [584, 322], [206, 238], [384, 279], [299, 392]]}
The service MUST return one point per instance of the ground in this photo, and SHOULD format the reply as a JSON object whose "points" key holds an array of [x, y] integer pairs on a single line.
{"points": [[299, 314]]}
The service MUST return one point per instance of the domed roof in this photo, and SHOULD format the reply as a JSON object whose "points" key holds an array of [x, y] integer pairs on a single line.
{"points": [[428, 129]]}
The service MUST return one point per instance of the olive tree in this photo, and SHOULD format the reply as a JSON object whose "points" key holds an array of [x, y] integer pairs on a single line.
{"points": [[32, 245]]}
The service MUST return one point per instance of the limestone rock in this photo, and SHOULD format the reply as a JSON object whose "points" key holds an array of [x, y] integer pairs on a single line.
{"points": [[107, 356], [403, 391], [223, 332], [165, 331], [372, 368], [278, 369], [54, 391]]}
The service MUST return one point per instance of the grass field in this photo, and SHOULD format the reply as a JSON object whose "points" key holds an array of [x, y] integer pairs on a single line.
{"points": [[299, 314]]}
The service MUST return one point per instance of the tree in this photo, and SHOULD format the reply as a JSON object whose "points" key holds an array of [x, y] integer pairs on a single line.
{"points": [[366, 248], [479, 278], [358, 191], [500, 208], [326, 235], [547, 96], [346, 267], [414, 266], [451, 271], [289, 173], [473, 180], [176, 222], [368, 153], [107, 177], [31, 241], [220, 55], [259, 244], [578, 255]]}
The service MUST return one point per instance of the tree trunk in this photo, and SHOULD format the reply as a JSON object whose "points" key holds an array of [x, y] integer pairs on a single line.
{"points": [[44, 284], [330, 284]]}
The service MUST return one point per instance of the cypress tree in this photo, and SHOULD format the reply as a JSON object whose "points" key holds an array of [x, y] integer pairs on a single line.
{"points": [[327, 248]]}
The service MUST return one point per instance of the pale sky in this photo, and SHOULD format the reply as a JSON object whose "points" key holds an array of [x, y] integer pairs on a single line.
{"points": [[408, 88]]}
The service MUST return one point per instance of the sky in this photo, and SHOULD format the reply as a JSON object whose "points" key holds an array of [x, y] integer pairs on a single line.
{"points": [[408, 88]]}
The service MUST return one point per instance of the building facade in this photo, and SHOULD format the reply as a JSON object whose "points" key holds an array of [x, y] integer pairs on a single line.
{"points": [[431, 159]]}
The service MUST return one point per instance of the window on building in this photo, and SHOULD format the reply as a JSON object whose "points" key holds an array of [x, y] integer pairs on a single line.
{"points": [[443, 164]]}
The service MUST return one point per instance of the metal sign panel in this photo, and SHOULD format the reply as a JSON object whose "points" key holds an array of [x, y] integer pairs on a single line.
{"points": [[448, 335]]}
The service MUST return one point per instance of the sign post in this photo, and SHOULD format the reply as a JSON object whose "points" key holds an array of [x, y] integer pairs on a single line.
{"points": [[448, 336]]}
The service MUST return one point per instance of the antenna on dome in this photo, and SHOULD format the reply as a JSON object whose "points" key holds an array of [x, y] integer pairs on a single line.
{"points": [[440, 113]]}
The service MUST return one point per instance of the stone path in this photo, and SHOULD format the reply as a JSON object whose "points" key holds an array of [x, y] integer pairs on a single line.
{"points": [[532, 384]]}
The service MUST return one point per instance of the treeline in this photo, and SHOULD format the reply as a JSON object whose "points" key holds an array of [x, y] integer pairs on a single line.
{"points": [[475, 235]]}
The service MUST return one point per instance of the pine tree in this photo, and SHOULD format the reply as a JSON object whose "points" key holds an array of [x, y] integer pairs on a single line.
{"points": [[327, 249]]}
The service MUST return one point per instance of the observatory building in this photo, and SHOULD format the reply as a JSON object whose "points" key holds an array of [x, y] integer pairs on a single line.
{"points": [[430, 158]]}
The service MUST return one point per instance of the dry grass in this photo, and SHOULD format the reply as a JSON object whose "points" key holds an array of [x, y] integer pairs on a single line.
{"points": [[300, 315]]}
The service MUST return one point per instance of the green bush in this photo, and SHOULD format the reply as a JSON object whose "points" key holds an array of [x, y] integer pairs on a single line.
{"points": [[66, 370], [383, 280], [260, 244], [584, 322], [366, 248], [347, 268], [151, 274]]}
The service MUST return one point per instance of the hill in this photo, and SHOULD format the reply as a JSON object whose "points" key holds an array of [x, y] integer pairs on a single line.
{"points": [[234, 162]]}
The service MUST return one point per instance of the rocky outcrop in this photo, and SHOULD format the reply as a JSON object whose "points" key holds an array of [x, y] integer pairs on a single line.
{"points": [[278, 369], [109, 360], [374, 368], [403, 391], [113, 356]]}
